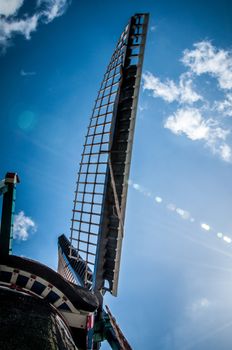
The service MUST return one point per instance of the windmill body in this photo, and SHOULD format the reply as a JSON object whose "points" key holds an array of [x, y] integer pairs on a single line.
{"points": [[64, 309]]}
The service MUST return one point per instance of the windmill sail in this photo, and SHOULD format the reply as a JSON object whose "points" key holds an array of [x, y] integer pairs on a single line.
{"points": [[100, 198]]}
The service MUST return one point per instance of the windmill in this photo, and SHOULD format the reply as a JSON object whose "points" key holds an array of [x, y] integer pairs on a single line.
{"points": [[88, 262]]}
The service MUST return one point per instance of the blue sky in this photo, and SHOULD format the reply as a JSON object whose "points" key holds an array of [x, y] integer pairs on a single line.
{"points": [[175, 283]]}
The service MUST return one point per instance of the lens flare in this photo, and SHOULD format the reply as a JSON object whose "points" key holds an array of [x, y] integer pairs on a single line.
{"points": [[27, 120], [158, 199], [205, 227], [184, 214], [227, 239]]}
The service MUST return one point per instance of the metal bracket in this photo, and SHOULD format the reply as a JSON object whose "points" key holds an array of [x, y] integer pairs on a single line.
{"points": [[116, 196]]}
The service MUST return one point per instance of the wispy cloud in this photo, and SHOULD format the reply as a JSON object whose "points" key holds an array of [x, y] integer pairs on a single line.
{"points": [[189, 121], [170, 91], [195, 116], [142, 107], [23, 226], [153, 28], [198, 307], [23, 73], [206, 58], [225, 106], [52, 8], [10, 25]]}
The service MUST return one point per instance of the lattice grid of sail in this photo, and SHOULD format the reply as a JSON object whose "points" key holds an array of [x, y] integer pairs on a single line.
{"points": [[99, 204], [92, 172]]}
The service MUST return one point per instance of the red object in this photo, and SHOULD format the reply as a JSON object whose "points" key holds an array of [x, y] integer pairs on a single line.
{"points": [[90, 322]]}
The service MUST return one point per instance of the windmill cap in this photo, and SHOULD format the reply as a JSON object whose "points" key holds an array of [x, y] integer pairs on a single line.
{"points": [[12, 178]]}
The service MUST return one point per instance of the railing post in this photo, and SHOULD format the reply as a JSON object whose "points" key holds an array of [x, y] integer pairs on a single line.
{"points": [[6, 232]]}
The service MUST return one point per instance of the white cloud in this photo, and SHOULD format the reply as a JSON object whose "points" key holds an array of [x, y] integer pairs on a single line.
{"points": [[202, 121], [158, 199], [23, 226], [9, 28], [53, 8], [225, 152], [186, 92], [189, 121], [206, 58], [45, 12], [225, 106], [10, 7], [169, 90]]}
